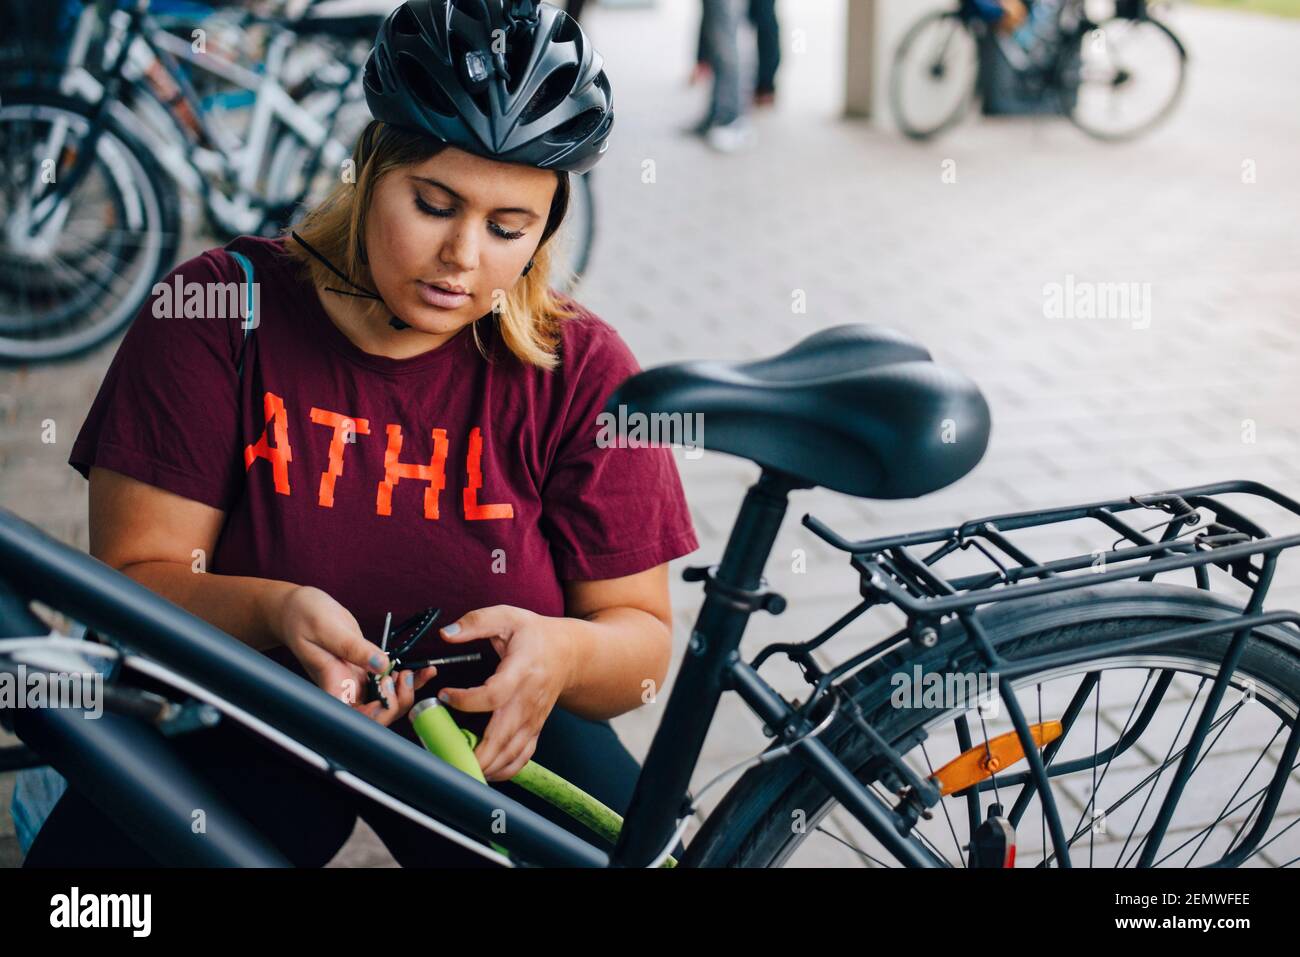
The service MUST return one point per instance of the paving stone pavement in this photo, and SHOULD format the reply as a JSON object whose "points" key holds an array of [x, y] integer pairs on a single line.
{"points": [[705, 256]]}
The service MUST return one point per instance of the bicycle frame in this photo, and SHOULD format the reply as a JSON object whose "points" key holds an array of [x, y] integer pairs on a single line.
{"points": [[733, 592], [366, 757], [352, 748]]}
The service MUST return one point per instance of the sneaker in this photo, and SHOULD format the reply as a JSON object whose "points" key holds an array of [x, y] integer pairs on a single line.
{"points": [[730, 137]]}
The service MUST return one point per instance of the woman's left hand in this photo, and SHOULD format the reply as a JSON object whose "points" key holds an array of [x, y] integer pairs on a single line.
{"points": [[536, 664]]}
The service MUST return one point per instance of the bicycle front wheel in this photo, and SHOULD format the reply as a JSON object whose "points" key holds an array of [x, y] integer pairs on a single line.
{"points": [[932, 80], [1128, 719], [1123, 77], [74, 268]]}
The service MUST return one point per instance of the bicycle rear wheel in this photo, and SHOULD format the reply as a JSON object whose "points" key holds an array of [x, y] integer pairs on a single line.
{"points": [[779, 815], [932, 80], [74, 272], [574, 241]]}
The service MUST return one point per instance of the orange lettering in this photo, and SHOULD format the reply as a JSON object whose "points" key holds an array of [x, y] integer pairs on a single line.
{"points": [[473, 510], [395, 471], [281, 455], [343, 425]]}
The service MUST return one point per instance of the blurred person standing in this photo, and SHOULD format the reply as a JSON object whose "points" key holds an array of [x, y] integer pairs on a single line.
{"points": [[767, 31], [726, 128]]}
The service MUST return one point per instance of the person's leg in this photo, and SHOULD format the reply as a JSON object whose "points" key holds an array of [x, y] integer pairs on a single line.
{"points": [[586, 753], [721, 23], [77, 834], [703, 67], [304, 815], [702, 46], [763, 15]]}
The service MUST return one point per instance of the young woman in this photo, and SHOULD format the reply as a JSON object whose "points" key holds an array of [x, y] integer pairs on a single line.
{"points": [[410, 423]]}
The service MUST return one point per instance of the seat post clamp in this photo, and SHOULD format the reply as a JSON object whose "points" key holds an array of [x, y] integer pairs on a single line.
{"points": [[742, 599]]}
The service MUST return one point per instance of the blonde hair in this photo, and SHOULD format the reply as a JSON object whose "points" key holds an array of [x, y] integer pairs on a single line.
{"points": [[531, 313]]}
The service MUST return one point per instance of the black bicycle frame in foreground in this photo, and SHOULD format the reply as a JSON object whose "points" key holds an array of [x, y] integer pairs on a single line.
{"points": [[127, 767]]}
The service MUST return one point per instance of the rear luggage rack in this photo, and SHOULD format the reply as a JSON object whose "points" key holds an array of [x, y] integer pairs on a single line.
{"points": [[891, 572]]}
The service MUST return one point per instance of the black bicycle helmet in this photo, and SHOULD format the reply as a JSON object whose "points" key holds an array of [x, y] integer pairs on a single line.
{"points": [[512, 80]]}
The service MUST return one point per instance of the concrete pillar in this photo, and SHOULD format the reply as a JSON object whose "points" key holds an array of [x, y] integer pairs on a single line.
{"points": [[860, 51]]}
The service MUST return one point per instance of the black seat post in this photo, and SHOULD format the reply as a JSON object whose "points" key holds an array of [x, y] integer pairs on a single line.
{"points": [[755, 530], [732, 596]]}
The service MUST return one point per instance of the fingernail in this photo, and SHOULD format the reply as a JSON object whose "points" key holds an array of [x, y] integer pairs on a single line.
{"points": [[376, 660], [452, 629], [410, 679], [443, 696]]}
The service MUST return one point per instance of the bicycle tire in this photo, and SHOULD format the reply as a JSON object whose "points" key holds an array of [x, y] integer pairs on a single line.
{"points": [[751, 827], [913, 130], [77, 290], [581, 231], [161, 200], [1067, 61], [50, 280]]}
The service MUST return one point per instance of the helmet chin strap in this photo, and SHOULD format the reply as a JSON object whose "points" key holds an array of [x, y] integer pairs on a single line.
{"points": [[363, 292]]}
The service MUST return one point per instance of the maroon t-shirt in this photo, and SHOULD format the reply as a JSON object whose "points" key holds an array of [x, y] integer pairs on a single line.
{"points": [[392, 484]]}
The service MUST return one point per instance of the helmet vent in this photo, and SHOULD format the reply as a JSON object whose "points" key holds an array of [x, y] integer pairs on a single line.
{"points": [[566, 30], [416, 79], [578, 128], [476, 9], [371, 79], [405, 23], [551, 93], [518, 53]]}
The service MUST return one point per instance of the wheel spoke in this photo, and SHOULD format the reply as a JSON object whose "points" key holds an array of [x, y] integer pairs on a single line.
{"points": [[1157, 774], [944, 804], [1078, 829], [1228, 808], [854, 848]]}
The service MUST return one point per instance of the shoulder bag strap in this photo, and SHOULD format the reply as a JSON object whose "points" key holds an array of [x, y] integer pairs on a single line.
{"points": [[249, 321]]}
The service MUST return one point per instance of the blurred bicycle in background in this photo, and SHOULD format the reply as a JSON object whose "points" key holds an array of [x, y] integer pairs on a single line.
{"points": [[1112, 67], [152, 115]]}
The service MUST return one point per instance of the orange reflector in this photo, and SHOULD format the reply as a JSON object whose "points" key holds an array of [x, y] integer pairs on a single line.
{"points": [[984, 761]]}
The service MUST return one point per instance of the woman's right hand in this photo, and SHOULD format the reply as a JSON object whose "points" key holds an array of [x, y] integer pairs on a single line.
{"points": [[326, 639]]}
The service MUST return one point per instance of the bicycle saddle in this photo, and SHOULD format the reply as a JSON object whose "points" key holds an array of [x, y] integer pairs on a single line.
{"points": [[855, 408]]}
